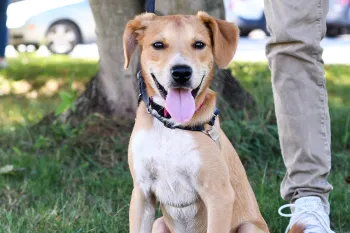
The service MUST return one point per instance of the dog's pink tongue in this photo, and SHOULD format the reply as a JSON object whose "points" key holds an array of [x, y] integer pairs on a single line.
{"points": [[180, 104]]}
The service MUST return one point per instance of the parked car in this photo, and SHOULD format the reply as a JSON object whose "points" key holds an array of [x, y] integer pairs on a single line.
{"points": [[338, 18], [58, 24], [249, 15]]}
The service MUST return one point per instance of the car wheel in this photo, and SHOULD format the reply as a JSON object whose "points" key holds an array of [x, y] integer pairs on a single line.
{"points": [[21, 48], [31, 48], [62, 37]]}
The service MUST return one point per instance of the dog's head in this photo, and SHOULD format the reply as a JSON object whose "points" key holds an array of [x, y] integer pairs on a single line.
{"points": [[178, 54]]}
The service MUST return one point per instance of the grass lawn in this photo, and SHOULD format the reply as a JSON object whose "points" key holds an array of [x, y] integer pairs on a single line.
{"points": [[63, 179]]}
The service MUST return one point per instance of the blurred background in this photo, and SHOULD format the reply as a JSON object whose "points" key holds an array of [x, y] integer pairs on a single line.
{"points": [[67, 27], [64, 133]]}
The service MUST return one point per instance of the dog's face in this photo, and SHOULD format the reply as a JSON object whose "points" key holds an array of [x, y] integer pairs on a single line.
{"points": [[178, 54]]}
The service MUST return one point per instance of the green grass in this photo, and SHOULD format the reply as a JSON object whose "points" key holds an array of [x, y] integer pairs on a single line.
{"points": [[76, 179], [30, 87]]}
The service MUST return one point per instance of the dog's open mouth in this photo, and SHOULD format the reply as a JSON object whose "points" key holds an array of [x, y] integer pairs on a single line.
{"points": [[161, 89], [179, 102], [164, 92]]}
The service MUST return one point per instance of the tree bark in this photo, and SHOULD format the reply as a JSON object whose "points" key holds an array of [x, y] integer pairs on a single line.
{"points": [[231, 95], [113, 92]]}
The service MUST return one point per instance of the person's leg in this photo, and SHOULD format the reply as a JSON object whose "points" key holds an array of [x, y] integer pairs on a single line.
{"points": [[301, 105], [3, 28]]}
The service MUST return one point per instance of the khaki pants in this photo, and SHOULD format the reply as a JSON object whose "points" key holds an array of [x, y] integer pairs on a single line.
{"points": [[301, 102]]}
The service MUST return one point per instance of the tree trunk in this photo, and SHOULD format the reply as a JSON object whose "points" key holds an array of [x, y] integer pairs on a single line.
{"points": [[113, 91]]}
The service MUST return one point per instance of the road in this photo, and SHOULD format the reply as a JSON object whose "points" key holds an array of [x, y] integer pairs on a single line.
{"points": [[336, 51]]}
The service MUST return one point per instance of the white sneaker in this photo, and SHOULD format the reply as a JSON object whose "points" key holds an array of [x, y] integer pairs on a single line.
{"points": [[309, 212]]}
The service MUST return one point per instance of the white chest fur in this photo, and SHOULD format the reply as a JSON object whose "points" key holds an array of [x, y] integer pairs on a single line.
{"points": [[166, 164]]}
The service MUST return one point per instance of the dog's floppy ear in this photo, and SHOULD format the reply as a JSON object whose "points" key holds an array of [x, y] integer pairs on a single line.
{"points": [[133, 33], [224, 37]]}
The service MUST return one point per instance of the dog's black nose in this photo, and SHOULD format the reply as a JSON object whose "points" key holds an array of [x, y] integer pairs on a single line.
{"points": [[181, 73]]}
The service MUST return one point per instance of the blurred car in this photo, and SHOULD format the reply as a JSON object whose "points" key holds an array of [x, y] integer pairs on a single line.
{"points": [[338, 18], [249, 15], [58, 24]]}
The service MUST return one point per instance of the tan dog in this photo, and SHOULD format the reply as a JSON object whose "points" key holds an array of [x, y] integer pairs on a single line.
{"points": [[200, 182]]}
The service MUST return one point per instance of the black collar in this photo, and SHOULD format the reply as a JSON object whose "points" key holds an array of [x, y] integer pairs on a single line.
{"points": [[160, 113]]}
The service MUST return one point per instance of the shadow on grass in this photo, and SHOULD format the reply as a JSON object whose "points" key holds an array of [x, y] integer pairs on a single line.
{"points": [[30, 86]]}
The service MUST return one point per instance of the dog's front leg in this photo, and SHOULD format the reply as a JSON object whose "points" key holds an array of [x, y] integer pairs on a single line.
{"points": [[218, 196], [219, 209], [142, 211]]}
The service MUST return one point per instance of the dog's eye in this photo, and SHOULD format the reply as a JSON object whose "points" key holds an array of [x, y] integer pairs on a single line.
{"points": [[158, 45], [198, 45]]}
